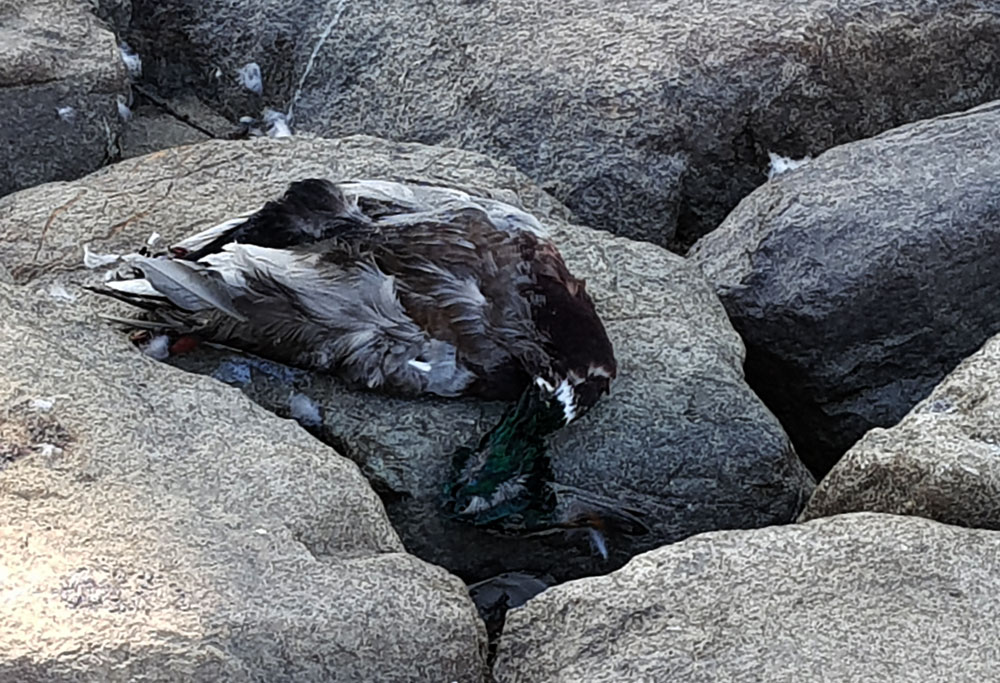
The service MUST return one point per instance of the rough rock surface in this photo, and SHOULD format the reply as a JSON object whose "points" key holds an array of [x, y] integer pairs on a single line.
{"points": [[60, 77], [117, 14], [647, 117], [681, 435], [152, 129], [942, 461], [862, 278], [156, 525], [852, 598]]}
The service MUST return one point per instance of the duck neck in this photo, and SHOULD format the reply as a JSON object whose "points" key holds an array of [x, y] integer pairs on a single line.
{"points": [[535, 416], [517, 442]]}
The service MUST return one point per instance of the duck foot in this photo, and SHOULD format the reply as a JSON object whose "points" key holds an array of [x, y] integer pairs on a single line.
{"points": [[162, 346], [184, 344]]}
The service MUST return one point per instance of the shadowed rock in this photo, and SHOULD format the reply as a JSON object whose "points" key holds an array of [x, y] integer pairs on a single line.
{"points": [[860, 279], [60, 79]]}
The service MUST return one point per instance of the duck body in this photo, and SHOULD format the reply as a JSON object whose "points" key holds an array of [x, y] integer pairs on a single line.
{"points": [[401, 288]]}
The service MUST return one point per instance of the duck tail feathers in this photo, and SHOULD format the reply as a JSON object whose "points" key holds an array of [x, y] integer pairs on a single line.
{"points": [[164, 316], [161, 324], [146, 303], [184, 284], [174, 292]]}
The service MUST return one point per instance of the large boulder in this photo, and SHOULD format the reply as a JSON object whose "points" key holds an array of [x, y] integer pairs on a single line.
{"points": [[851, 598], [61, 76], [941, 461], [863, 277], [651, 118], [681, 436], [156, 525]]}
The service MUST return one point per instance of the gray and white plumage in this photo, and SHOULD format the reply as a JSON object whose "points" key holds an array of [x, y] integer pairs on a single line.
{"points": [[399, 287]]}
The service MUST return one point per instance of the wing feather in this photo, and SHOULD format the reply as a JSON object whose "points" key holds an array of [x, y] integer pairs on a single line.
{"points": [[185, 285]]}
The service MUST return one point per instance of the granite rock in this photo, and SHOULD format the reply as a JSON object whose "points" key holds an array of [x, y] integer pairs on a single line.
{"points": [[942, 461], [157, 525], [860, 279], [861, 597]]}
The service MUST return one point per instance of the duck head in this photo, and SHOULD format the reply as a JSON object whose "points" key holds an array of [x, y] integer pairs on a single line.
{"points": [[582, 359]]}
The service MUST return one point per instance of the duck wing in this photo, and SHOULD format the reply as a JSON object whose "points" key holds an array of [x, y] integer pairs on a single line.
{"points": [[410, 203], [314, 210], [301, 308], [467, 282], [311, 210]]}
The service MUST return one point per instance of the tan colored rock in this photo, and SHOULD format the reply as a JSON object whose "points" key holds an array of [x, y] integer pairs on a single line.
{"points": [[157, 525], [942, 461], [61, 76], [859, 598], [681, 435]]}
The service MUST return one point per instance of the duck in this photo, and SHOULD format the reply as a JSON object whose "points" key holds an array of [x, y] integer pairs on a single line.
{"points": [[408, 289]]}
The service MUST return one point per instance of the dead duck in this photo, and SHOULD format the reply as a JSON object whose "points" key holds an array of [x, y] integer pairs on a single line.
{"points": [[402, 288]]}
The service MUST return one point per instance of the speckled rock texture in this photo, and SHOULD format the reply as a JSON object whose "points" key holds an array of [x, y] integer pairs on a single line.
{"points": [[151, 129], [649, 118], [156, 525], [942, 461], [60, 77], [862, 278], [859, 598], [681, 436], [117, 14]]}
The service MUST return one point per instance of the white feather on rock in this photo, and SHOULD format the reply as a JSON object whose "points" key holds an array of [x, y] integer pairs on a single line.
{"points": [[277, 124], [131, 59], [781, 165], [251, 78], [59, 292], [124, 113], [158, 347], [304, 410], [42, 405], [92, 260]]}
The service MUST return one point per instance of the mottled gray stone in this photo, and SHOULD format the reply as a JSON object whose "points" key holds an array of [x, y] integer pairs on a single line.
{"points": [[873, 598], [60, 77], [941, 461], [116, 13], [159, 526], [681, 435], [152, 129], [649, 118], [860, 279]]}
